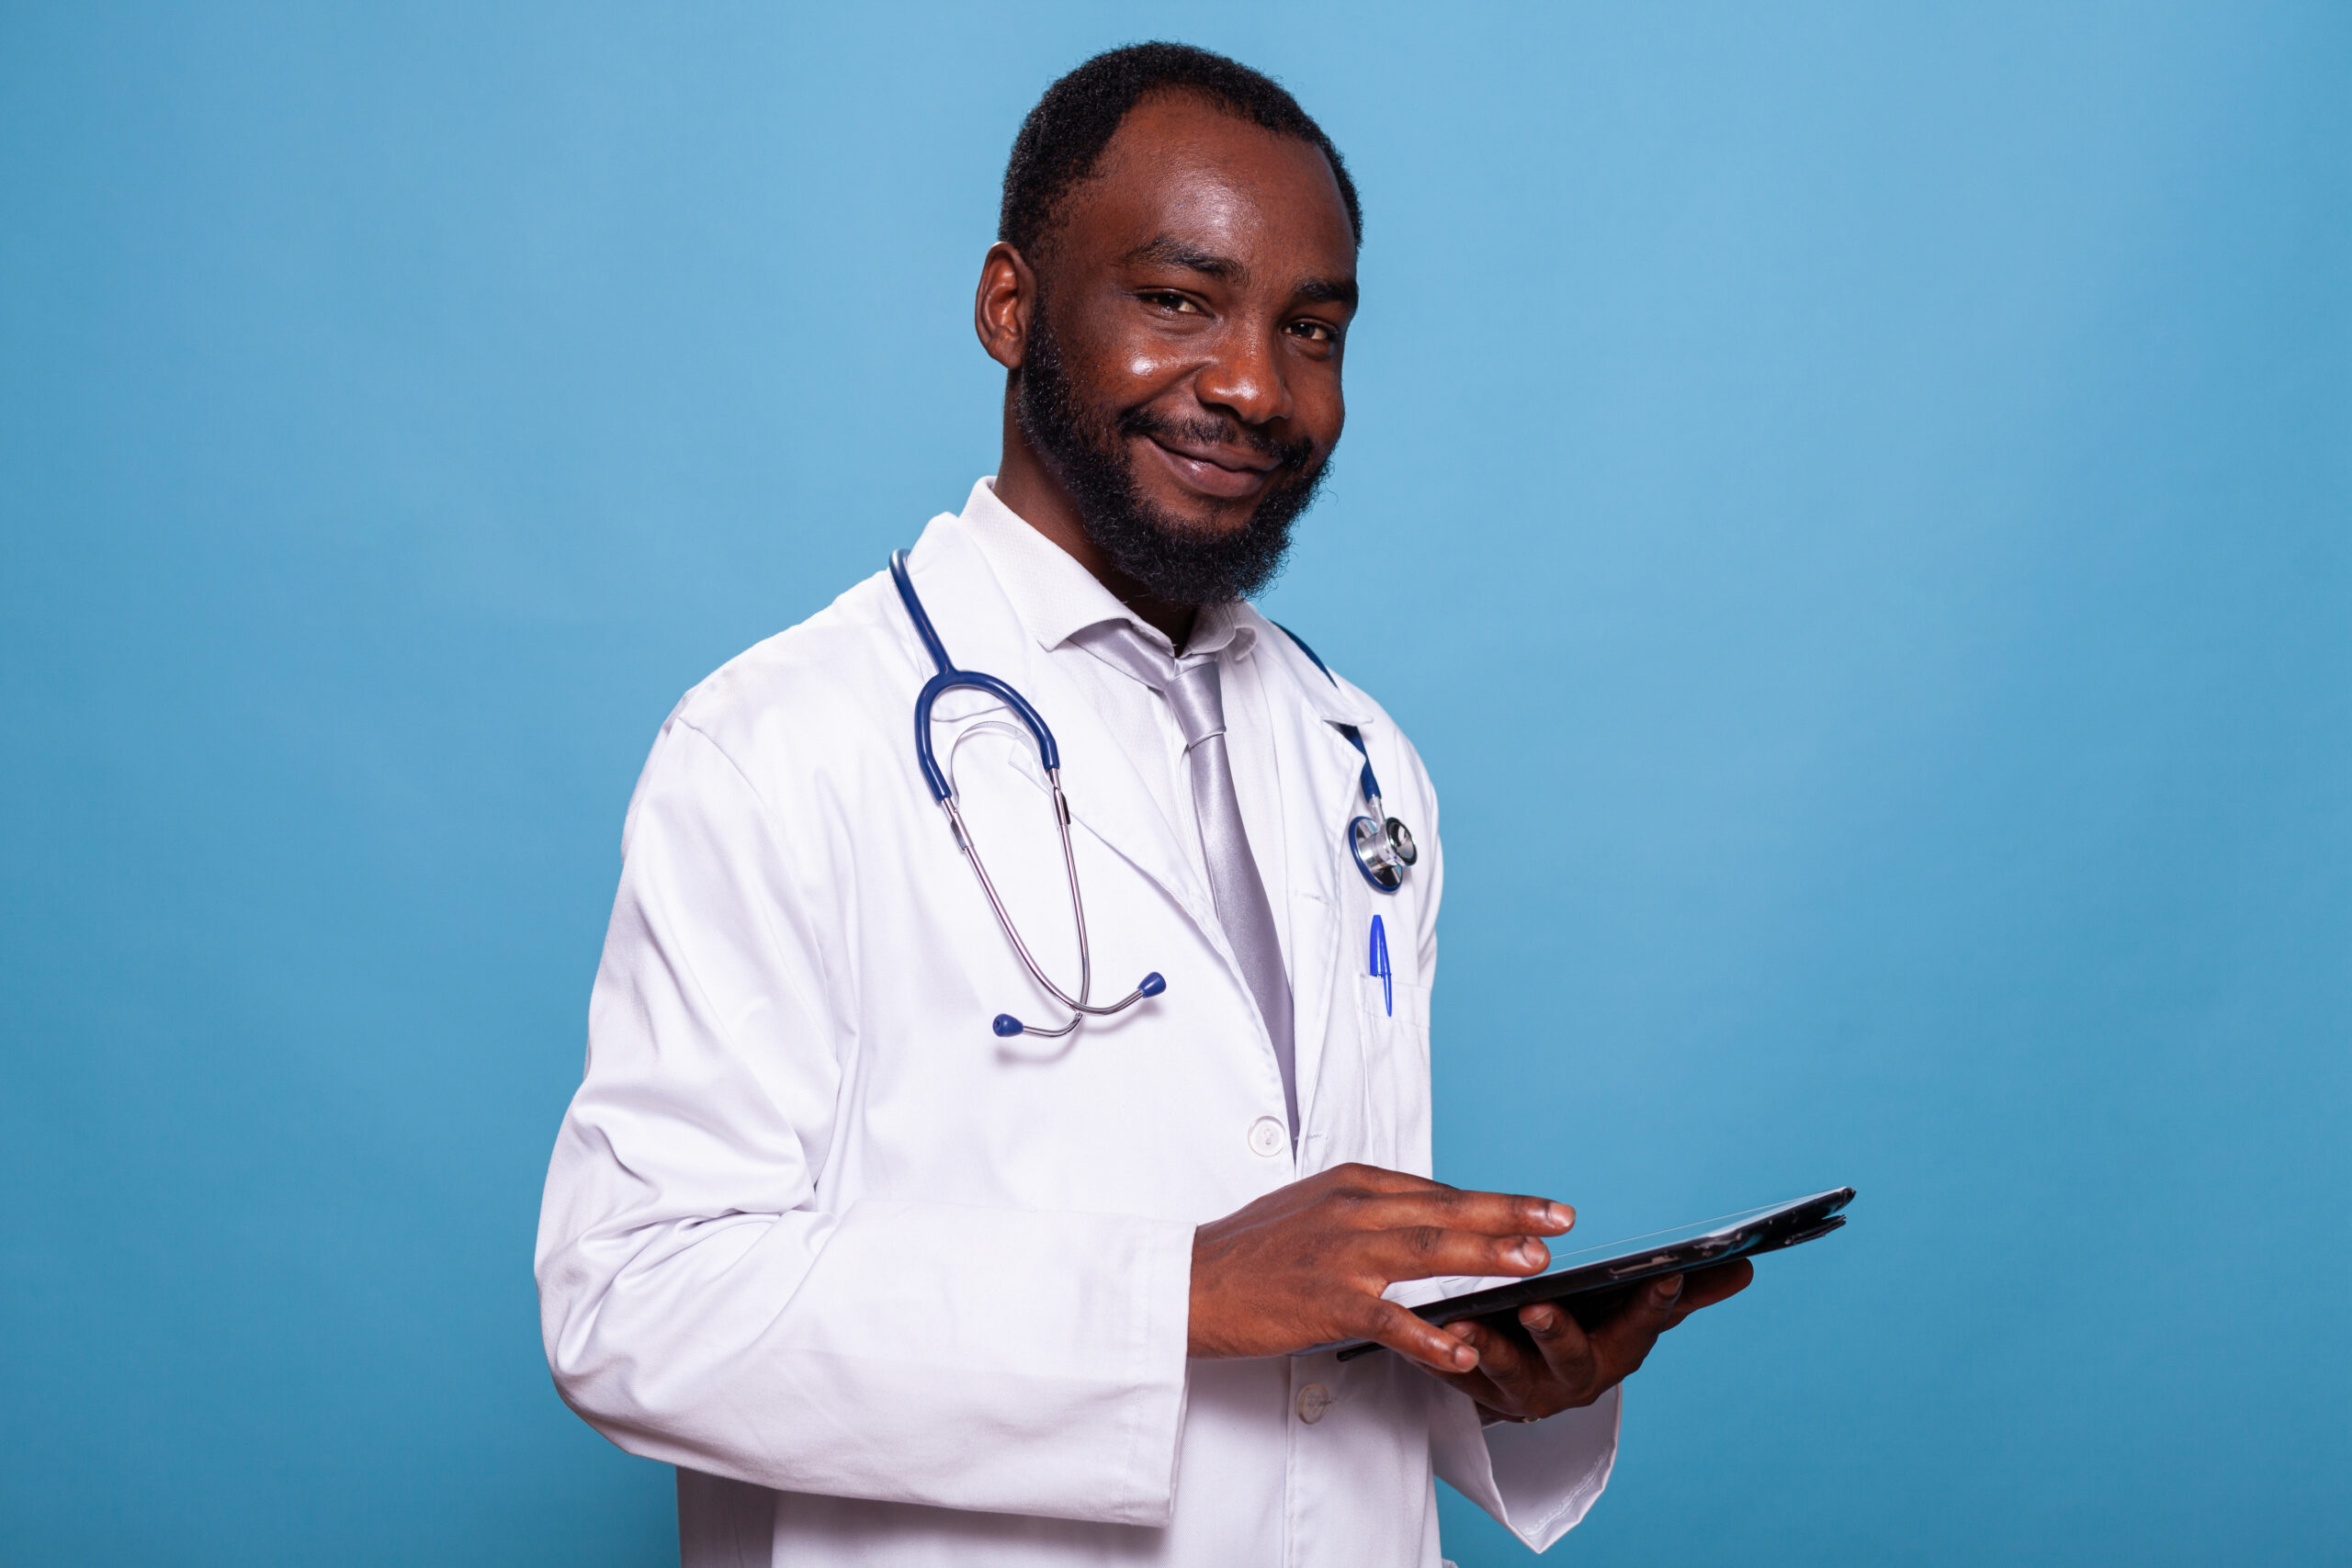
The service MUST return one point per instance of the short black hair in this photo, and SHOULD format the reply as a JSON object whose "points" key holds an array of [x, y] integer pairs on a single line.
{"points": [[1064, 136]]}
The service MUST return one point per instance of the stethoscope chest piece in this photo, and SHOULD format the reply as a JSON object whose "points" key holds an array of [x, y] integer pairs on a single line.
{"points": [[1383, 850], [1381, 845]]}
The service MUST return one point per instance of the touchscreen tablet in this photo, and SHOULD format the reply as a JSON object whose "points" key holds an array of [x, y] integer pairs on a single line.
{"points": [[1593, 1281]]}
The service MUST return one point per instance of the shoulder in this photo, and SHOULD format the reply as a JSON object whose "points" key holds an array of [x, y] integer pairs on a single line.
{"points": [[810, 678], [808, 703]]}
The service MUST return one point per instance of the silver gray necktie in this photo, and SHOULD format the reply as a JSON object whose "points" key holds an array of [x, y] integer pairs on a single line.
{"points": [[1190, 685]]}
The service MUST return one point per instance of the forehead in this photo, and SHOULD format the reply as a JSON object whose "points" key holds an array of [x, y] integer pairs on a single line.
{"points": [[1180, 168]]}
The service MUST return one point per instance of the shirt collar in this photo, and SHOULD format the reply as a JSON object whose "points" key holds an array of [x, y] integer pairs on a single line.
{"points": [[1056, 598]]}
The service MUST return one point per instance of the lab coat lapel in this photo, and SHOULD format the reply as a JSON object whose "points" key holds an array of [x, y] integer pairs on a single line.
{"points": [[1320, 797], [1107, 796]]}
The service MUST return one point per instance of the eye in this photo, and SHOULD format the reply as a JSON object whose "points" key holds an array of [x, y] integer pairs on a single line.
{"points": [[1316, 331], [1168, 299]]}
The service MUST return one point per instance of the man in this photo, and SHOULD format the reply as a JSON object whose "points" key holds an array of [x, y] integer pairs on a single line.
{"points": [[888, 1287]]}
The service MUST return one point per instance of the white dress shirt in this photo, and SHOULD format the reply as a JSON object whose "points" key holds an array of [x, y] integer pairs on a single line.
{"points": [[1058, 599]]}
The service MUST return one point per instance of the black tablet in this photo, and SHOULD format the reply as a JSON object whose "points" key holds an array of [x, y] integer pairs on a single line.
{"points": [[1593, 1282]]}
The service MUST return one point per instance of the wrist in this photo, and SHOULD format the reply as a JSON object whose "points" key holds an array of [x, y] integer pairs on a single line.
{"points": [[1199, 1315], [1488, 1417]]}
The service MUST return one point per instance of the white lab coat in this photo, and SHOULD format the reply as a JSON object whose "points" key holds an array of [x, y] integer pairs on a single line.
{"points": [[889, 1290]]}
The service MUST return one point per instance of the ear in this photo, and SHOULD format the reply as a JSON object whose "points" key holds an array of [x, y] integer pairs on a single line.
{"points": [[1004, 305]]}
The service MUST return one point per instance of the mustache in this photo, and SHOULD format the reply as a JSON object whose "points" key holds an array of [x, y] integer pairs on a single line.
{"points": [[1293, 456]]}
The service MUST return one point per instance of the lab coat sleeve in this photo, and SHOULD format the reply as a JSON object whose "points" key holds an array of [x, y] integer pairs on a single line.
{"points": [[701, 1306], [1429, 870], [1537, 1480]]}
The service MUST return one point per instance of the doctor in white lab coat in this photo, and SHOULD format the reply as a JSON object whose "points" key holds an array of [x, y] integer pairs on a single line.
{"points": [[889, 1288]]}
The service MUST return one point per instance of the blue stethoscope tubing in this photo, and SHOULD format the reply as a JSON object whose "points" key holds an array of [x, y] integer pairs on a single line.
{"points": [[1382, 846], [949, 679]]}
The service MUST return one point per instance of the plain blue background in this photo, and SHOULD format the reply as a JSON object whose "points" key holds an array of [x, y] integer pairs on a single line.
{"points": [[1857, 509]]}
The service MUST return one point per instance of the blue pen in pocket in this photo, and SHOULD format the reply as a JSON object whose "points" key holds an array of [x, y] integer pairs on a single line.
{"points": [[1378, 963]]}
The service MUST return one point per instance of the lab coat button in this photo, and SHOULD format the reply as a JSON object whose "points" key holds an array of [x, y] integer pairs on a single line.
{"points": [[1268, 1136], [1313, 1399]]}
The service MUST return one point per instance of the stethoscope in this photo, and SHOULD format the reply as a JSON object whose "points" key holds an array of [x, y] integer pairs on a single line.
{"points": [[1382, 846]]}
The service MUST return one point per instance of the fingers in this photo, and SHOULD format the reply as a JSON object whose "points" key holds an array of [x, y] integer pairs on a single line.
{"points": [[1417, 1339], [1567, 1351], [1617, 1348], [1508, 1375], [1364, 1182], [1487, 1213], [1417, 1228], [1705, 1287], [1418, 1252], [1510, 1362], [1309, 1262], [1622, 1344]]}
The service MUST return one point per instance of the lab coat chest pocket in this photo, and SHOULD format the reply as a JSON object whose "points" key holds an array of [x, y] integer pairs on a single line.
{"points": [[1392, 1024]]}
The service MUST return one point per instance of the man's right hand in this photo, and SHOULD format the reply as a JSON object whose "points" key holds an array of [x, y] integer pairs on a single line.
{"points": [[1305, 1265]]}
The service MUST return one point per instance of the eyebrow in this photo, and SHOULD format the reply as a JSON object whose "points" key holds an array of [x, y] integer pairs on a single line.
{"points": [[1168, 251], [1326, 290]]}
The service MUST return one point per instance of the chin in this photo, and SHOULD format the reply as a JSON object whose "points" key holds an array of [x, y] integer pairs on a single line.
{"points": [[1208, 516]]}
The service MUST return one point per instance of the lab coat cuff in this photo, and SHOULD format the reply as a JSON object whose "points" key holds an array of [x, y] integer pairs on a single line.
{"points": [[1538, 1479], [1163, 1309]]}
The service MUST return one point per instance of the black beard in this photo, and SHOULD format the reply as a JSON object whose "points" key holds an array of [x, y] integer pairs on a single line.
{"points": [[1167, 559]]}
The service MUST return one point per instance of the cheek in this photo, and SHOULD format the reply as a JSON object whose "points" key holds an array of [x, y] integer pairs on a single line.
{"points": [[1114, 352], [1148, 365], [1321, 408]]}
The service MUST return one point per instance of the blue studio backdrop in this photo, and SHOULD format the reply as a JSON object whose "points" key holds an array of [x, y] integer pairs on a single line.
{"points": [[1854, 502]]}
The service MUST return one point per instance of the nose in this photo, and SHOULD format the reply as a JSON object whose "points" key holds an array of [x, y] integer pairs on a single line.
{"points": [[1245, 376]]}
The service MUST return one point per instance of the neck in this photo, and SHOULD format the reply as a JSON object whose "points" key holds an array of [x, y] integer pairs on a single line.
{"points": [[1031, 491]]}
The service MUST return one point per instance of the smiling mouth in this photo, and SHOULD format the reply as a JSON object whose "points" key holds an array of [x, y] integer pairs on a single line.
{"points": [[1224, 478]]}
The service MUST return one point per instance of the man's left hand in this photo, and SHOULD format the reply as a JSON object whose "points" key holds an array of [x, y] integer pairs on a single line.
{"points": [[1546, 1363]]}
